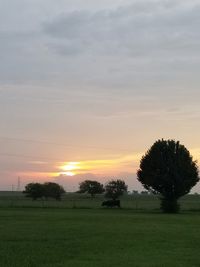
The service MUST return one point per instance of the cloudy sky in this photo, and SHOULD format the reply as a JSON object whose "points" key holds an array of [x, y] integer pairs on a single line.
{"points": [[87, 86]]}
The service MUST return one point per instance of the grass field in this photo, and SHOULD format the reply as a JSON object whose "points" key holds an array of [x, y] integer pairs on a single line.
{"points": [[74, 200], [97, 238]]}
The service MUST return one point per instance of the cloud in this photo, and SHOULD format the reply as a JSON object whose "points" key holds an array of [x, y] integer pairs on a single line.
{"points": [[131, 46], [141, 29]]}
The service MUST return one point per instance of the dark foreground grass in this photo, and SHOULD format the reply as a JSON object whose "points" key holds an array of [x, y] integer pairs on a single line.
{"points": [[97, 238]]}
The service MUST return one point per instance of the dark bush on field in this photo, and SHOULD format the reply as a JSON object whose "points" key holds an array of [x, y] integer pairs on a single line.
{"points": [[46, 190]]}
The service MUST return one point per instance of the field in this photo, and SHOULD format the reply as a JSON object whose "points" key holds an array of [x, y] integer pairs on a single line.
{"points": [[97, 237], [75, 200], [77, 232]]}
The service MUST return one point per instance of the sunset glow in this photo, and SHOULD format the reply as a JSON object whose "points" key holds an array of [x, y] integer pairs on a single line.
{"points": [[100, 166], [69, 173], [70, 168]]}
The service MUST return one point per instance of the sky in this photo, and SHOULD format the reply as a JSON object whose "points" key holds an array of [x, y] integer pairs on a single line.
{"points": [[87, 86]]}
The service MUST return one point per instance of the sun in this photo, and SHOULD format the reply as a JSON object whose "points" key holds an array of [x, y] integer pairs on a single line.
{"points": [[69, 173], [69, 168]]}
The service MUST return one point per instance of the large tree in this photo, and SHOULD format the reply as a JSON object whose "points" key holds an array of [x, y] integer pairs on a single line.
{"points": [[53, 190], [168, 169], [34, 190], [115, 188], [91, 187], [46, 190]]}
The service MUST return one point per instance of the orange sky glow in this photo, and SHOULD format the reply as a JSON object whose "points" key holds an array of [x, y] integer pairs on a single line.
{"points": [[101, 167], [70, 170]]}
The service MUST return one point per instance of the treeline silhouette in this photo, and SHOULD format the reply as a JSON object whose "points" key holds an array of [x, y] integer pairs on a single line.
{"points": [[166, 170], [112, 190]]}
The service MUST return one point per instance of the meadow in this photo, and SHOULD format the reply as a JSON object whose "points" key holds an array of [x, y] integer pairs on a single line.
{"points": [[53, 237], [78, 232], [136, 202]]}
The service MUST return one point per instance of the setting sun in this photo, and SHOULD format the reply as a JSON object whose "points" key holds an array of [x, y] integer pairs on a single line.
{"points": [[69, 168]]}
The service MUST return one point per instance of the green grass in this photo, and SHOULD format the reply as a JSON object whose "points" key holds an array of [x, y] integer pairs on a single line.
{"points": [[73, 200], [97, 238]]}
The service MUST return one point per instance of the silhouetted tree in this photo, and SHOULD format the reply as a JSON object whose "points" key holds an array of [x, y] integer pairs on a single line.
{"points": [[34, 190], [37, 190], [91, 187], [169, 170], [53, 190], [115, 188]]}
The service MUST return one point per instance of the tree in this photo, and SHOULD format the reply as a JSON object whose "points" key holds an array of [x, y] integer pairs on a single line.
{"points": [[34, 190], [168, 169], [53, 190], [115, 188], [91, 187], [37, 190]]}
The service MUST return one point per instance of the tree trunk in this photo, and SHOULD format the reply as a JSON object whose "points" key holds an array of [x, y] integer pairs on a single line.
{"points": [[169, 205]]}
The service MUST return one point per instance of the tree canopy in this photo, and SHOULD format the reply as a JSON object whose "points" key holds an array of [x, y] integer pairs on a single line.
{"points": [[91, 187], [53, 190], [34, 190], [168, 169], [46, 190], [115, 188]]}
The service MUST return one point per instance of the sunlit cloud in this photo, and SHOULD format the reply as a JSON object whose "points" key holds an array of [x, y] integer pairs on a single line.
{"points": [[35, 174], [100, 166]]}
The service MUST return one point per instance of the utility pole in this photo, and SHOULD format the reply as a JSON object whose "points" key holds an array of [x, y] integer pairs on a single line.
{"points": [[18, 184], [12, 195]]}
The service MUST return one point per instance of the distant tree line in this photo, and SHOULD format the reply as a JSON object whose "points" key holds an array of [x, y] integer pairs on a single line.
{"points": [[112, 190]]}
